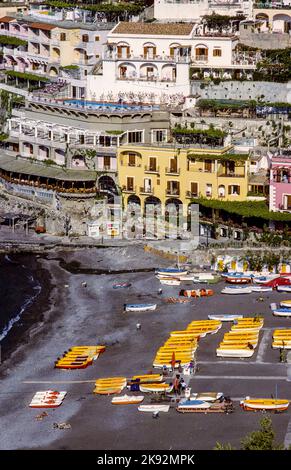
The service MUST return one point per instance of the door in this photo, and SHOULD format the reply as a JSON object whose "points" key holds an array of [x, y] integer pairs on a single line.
{"points": [[173, 165], [106, 163], [153, 164], [147, 185]]}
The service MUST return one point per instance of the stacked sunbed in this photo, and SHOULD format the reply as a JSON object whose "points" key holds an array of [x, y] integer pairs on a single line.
{"points": [[181, 345], [79, 357], [110, 385], [242, 339], [47, 399], [282, 339]]}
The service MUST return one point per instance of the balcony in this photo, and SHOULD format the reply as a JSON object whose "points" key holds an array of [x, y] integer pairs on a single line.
{"points": [[231, 175], [200, 59], [143, 58], [129, 189], [190, 195], [151, 169], [146, 191], [172, 171], [172, 192]]}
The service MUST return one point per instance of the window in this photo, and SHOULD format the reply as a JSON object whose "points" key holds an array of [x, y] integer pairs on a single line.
{"points": [[97, 38], [208, 166], [194, 189], [217, 53], [82, 139], [129, 183], [153, 164], [159, 135], [63, 37], [131, 159], [234, 190], [85, 38], [208, 189], [134, 137]]}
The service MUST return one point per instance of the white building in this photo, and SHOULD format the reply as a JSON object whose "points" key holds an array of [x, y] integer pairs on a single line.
{"points": [[155, 62], [189, 10]]}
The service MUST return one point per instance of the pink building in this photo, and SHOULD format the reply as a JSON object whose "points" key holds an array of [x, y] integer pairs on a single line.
{"points": [[280, 183]]}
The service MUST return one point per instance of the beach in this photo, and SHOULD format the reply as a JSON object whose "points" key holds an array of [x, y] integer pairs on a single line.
{"points": [[69, 314]]}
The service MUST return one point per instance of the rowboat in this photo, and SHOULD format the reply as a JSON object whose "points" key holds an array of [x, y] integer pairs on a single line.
{"points": [[159, 387], [170, 281], [139, 307], [282, 312], [225, 317], [285, 303], [110, 385], [121, 285], [127, 400], [238, 280], [283, 288], [196, 292], [254, 404], [154, 408], [261, 289], [193, 404], [171, 272], [207, 396], [234, 351], [237, 290]]}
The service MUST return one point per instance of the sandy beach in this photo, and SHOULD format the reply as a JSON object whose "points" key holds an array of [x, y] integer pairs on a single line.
{"points": [[76, 315]]}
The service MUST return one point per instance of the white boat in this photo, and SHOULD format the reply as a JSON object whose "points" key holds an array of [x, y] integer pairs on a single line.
{"points": [[156, 387], [225, 317], [285, 303], [207, 396], [193, 404], [273, 404], [235, 290], [261, 288], [139, 307], [127, 399], [154, 408], [284, 288], [265, 278], [282, 312], [171, 272], [243, 352], [170, 282]]}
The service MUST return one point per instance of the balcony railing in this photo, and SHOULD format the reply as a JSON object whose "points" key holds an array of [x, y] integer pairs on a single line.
{"points": [[172, 171], [172, 192], [147, 190], [155, 58], [151, 169], [190, 194], [129, 189], [230, 175]]}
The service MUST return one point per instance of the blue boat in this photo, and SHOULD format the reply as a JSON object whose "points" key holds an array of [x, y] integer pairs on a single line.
{"points": [[171, 272], [121, 285], [282, 312], [193, 405]]}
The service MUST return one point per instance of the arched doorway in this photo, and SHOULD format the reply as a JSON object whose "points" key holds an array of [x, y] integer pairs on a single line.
{"points": [[107, 184]]}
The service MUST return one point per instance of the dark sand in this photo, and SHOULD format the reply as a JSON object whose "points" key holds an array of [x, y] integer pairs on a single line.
{"points": [[93, 315]]}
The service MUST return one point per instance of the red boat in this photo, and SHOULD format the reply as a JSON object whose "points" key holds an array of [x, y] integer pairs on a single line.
{"points": [[279, 281]]}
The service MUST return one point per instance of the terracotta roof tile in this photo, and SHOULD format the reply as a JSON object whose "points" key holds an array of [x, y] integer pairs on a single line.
{"points": [[6, 19], [163, 29], [44, 26]]}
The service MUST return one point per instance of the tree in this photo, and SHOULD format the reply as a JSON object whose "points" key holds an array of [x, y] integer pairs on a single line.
{"points": [[219, 446], [263, 439]]}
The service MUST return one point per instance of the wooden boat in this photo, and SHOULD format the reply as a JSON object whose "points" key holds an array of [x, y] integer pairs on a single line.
{"points": [[154, 408], [236, 290], [139, 307], [285, 303], [121, 285], [254, 404], [283, 288], [196, 292], [127, 400], [207, 396], [240, 350], [225, 317], [171, 272], [282, 312]]}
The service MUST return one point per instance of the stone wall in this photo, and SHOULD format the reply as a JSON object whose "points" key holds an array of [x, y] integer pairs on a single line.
{"points": [[246, 90], [265, 40]]}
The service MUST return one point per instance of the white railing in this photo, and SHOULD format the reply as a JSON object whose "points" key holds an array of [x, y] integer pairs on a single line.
{"points": [[156, 58]]}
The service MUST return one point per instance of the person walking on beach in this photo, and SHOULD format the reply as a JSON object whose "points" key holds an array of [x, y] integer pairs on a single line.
{"points": [[183, 385], [177, 385]]}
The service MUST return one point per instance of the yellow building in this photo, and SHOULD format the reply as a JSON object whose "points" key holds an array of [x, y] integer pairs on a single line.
{"points": [[168, 174]]}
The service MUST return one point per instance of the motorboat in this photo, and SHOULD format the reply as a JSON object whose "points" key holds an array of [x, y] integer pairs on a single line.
{"points": [[139, 307], [235, 290], [262, 288], [285, 303], [238, 280], [154, 408], [127, 400], [225, 317], [255, 404]]}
